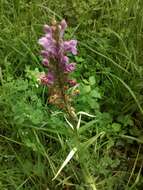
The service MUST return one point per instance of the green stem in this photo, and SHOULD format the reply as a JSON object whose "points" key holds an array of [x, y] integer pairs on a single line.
{"points": [[88, 178]]}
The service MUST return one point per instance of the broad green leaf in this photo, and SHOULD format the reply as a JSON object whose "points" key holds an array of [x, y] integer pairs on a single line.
{"points": [[86, 88], [116, 127], [95, 94], [92, 80]]}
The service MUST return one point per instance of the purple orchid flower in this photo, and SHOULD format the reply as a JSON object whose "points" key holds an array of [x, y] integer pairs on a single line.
{"points": [[69, 67], [55, 51], [70, 46], [45, 62], [47, 79]]}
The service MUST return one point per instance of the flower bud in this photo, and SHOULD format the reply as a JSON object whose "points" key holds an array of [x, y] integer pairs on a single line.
{"points": [[45, 62]]}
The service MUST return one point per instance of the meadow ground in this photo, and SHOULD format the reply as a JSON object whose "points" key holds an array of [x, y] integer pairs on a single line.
{"points": [[39, 150]]}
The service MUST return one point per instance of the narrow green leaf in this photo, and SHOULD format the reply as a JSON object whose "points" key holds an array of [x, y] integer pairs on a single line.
{"points": [[69, 157]]}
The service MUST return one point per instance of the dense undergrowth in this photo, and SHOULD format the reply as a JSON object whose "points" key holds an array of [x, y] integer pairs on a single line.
{"points": [[35, 137]]}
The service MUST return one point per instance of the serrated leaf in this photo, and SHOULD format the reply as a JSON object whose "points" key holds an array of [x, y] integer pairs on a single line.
{"points": [[86, 88], [85, 81], [92, 80], [79, 59], [116, 127], [95, 94]]}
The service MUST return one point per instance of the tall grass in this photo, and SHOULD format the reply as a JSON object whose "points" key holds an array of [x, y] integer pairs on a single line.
{"points": [[39, 149]]}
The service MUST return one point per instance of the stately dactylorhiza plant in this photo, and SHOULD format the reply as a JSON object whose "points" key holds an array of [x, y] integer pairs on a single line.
{"points": [[55, 59]]}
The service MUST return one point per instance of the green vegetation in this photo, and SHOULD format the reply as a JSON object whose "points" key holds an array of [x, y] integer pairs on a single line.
{"points": [[39, 150]]}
